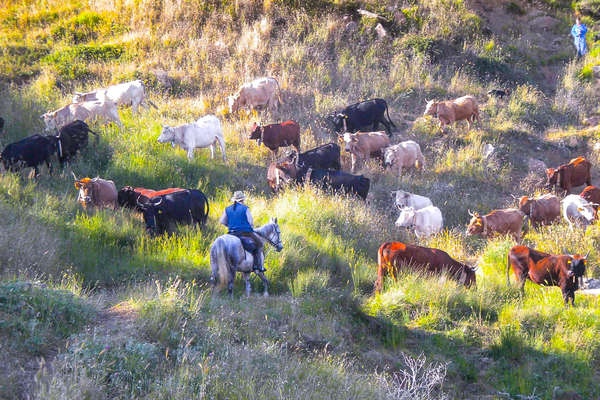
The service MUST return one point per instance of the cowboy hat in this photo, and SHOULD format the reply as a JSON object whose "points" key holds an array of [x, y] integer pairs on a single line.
{"points": [[238, 196]]}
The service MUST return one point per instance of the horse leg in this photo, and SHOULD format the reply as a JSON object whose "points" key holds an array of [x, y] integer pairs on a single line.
{"points": [[212, 151], [247, 280], [230, 283], [262, 276]]}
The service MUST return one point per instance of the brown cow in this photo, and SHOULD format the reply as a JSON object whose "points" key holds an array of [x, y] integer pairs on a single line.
{"points": [[546, 269], [450, 111], [541, 210], [275, 136], [502, 222], [365, 145], [128, 196], [592, 195], [575, 173], [392, 256], [96, 192]]}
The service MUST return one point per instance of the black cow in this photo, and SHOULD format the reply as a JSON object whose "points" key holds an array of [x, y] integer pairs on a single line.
{"points": [[326, 156], [29, 152], [500, 93], [363, 115], [72, 138], [184, 207]]}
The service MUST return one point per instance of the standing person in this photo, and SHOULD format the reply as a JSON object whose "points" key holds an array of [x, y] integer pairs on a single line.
{"points": [[239, 221], [578, 32]]}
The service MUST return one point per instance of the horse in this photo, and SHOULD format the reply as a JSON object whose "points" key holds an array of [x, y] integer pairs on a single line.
{"points": [[227, 256]]}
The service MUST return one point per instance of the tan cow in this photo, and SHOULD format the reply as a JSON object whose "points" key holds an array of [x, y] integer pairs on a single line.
{"points": [[363, 145], [404, 155], [259, 92], [450, 111], [96, 192], [502, 222], [104, 110], [541, 210]]}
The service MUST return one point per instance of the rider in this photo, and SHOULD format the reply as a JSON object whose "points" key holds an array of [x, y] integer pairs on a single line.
{"points": [[238, 220]]}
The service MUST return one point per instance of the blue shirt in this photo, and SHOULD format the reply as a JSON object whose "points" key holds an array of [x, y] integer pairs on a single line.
{"points": [[237, 219], [578, 32]]}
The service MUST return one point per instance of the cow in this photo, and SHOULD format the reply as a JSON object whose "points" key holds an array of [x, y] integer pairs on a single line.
{"points": [[577, 209], [502, 222], [205, 132], [575, 173], [363, 145], [325, 157], [367, 114], [592, 195], [104, 110], [393, 256], [450, 111], [182, 207], [403, 155], [129, 196], [123, 94], [29, 152], [275, 136], [425, 222], [71, 138], [499, 93], [546, 269], [96, 192], [288, 172], [542, 210], [259, 92], [404, 199]]}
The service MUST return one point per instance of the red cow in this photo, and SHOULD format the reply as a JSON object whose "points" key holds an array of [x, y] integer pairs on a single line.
{"points": [[128, 196], [546, 269], [542, 210], [575, 173], [392, 256], [275, 136], [592, 195]]}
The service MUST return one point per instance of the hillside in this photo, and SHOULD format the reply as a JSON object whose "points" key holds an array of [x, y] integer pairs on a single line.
{"points": [[93, 307]]}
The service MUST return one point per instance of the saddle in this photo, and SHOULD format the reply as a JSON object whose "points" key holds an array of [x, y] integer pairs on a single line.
{"points": [[248, 244]]}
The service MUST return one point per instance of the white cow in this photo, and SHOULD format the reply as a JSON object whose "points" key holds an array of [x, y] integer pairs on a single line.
{"points": [[425, 222], [259, 92], [89, 110], [123, 94], [404, 155], [577, 209], [200, 134], [405, 199]]}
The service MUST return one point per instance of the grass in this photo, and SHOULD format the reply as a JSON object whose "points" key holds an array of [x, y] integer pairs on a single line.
{"points": [[322, 333]]}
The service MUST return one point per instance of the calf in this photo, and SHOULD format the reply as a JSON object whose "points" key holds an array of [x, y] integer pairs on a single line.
{"points": [[404, 155], [72, 138], [404, 199], [129, 197], [425, 222], [259, 92], [499, 93], [367, 114], [29, 152], [546, 269], [575, 173], [393, 256], [363, 145], [275, 136], [448, 112], [205, 132], [541, 210], [126, 94], [96, 192], [502, 222], [104, 110], [161, 213], [577, 209]]}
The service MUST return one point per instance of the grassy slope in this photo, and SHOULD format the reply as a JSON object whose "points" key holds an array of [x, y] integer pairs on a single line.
{"points": [[322, 334]]}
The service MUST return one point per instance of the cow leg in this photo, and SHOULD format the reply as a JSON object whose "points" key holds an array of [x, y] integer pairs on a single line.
{"points": [[262, 276], [388, 127], [212, 151], [49, 165], [247, 282], [190, 153]]}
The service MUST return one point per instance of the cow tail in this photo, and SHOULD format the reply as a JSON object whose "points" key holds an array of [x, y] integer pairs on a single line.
{"points": [[508, 269], [279, 92], [387, 111], [152, 104], [205, 216]]}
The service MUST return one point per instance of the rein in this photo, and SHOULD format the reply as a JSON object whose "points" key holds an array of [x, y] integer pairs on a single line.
{"points": [[269, 238]]}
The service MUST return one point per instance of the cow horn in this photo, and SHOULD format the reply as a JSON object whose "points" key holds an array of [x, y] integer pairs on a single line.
{"points": [[587, 254], [160, 200], [74, 177], [471, 213]]}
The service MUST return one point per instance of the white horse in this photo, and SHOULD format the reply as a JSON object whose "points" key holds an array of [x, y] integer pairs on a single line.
{"points": [[227, 256]]}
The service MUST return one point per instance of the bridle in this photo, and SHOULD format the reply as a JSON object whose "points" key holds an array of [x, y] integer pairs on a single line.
{"points": [[275, 233]]}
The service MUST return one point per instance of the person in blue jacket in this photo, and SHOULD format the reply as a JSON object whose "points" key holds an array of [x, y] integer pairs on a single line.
{"points": [[578, 32], [238, 219]]}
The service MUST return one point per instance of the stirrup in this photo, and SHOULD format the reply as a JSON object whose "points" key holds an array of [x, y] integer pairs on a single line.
{"points": [[259, 269]]}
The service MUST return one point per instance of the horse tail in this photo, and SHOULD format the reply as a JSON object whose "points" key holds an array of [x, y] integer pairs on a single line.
{"points": [[218, 265]]}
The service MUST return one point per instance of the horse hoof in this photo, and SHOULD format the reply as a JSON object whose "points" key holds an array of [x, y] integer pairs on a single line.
{"points": [[265, 294]]}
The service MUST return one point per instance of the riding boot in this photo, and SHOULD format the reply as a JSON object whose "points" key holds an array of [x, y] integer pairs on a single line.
{"points": [[258, 260]]}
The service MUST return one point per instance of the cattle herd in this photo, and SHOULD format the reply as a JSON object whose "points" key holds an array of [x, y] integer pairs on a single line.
{"points": [[356, 126]]}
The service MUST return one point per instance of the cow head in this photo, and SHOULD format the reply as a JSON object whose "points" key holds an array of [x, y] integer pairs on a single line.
{"points": [[50, 121], [152, 210], [338, 120], [475, 224], [86, 190], [234, 103], [167, 135], [389, 157], [467, 276], [576, 265], [127, 197], [587, 212], [350, 142], [431, 108], [406, 219], [551, 177], [256, 132], [401, 198], [525, 204]]}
